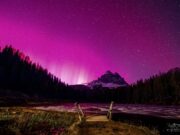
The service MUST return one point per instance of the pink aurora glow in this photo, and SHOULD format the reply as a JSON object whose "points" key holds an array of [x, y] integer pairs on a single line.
{"points": [[78, 40]]}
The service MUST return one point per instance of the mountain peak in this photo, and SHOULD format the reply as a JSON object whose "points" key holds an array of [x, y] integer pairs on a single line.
{"points": [[108, 72], [110, 80]]}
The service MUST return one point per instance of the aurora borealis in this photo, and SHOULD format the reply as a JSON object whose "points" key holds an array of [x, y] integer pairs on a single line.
{"points": [[78, 40]]}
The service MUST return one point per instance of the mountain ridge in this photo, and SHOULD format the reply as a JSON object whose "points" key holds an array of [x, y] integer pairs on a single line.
{"points": [[108, 80]]}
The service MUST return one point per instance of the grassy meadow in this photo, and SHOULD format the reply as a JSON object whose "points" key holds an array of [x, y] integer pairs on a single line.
{"points": [[26, 121], [23, 121]]}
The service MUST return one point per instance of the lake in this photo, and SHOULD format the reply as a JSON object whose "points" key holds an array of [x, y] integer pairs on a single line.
{"points": [[102, 108]]}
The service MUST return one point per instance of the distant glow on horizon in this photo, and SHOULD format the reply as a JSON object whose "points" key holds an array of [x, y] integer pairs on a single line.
{"points": [[78, 40], [73, 74]]}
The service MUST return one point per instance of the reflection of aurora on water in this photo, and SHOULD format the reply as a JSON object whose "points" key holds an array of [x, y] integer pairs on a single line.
{"points": [[154, 110]]}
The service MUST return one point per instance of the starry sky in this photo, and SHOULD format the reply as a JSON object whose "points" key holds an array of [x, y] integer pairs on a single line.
{"points": [[78, 40]]}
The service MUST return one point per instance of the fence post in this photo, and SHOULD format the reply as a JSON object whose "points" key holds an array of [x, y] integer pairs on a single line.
{"points": [[109, 115], [80, 112]]}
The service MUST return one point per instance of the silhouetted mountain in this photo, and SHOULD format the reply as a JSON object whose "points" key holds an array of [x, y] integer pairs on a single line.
{"points": [[22, 81], [80, 87], [163, 88], [109, 80]]}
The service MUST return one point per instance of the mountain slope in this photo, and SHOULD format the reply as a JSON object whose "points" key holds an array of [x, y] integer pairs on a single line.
{"points": [[109, 80]]}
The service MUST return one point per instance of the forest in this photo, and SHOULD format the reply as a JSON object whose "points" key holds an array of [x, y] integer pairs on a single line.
{"points": [[22, 81], [163, 88], [20, 77]]}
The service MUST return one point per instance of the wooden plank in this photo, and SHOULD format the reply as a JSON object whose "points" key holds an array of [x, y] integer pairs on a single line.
{"points": [[98, 118]]}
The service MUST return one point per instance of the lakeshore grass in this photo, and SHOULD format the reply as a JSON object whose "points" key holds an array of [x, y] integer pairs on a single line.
{"points": [[23, 121], [27, 121]]}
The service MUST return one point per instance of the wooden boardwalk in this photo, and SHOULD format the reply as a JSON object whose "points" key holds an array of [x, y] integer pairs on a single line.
{"points": [[97, 118], [94, 118]]}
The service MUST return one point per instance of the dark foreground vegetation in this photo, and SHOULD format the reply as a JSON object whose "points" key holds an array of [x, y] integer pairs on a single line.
{"points": [[23, 82], [26, 121], [165, 126], [23, 121], [113, 128]]}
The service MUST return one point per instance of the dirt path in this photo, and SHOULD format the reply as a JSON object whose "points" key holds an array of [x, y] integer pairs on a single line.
{"points": [[111, 128]]}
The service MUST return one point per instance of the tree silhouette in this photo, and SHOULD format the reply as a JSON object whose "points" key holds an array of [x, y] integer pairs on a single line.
{"points": [[18, 74]]}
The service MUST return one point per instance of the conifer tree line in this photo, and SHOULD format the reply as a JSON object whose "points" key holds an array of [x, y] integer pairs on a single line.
{"points": [[163, 88], [19, 74]]}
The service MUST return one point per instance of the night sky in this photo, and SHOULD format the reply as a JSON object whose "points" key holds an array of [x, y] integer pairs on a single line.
{"points": [[78, 40]]}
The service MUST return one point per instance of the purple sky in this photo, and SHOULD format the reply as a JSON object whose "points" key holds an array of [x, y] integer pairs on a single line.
{"points": [[78, 40]]}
